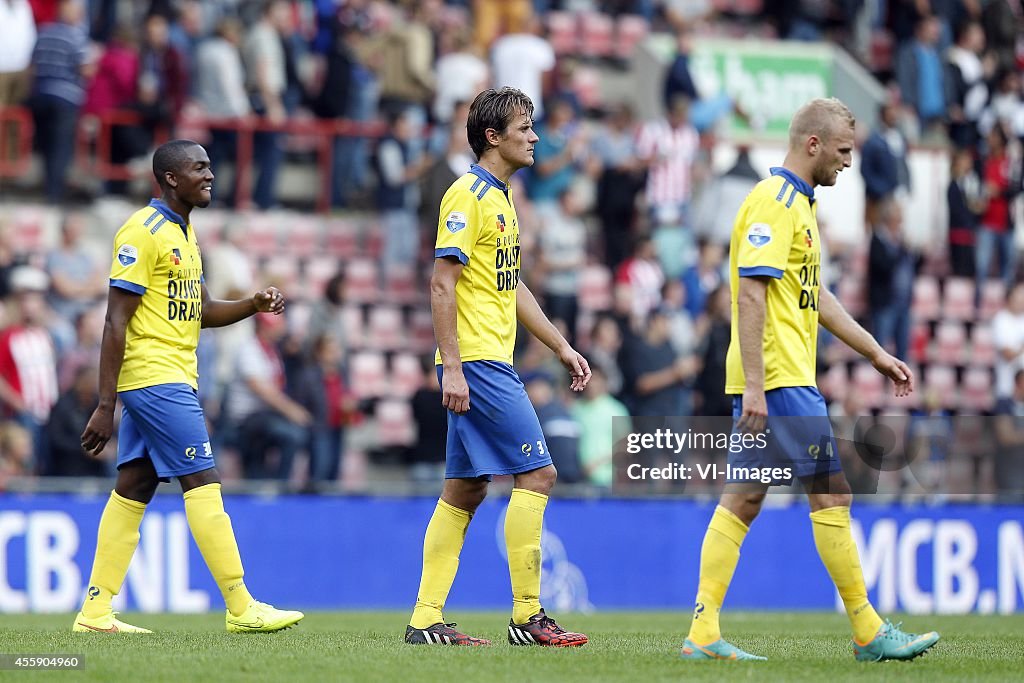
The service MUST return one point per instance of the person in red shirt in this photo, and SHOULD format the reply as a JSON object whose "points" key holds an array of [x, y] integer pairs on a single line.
{"points": [[995, 229]]}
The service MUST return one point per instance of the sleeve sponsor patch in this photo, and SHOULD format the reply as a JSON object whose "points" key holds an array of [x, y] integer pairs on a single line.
{"points": [[127, 255], [759, 234], [456, 221]]}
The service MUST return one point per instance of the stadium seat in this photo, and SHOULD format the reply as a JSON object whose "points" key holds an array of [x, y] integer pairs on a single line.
{"points": [[950, 343], [958, 299], [748, 8], [983, 346], [355, 328], [977, 393], [940, 381], [926, 299], [586, 83], [261, 233], [596, 34], [400, 285], [318, 270], [869, 385], [993, 297], [361, 282], [562, 33], [27, 226], [394, 423], [373, 240], [406, 375], [210, 230], [282, 271], [302, 235], [422, 331], [595, 288], [342, 238], [385, 328], [367, 374], [630, 31]]}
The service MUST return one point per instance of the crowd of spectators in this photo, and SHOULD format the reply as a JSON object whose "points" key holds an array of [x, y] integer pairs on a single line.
{"points": [[636, 198]]}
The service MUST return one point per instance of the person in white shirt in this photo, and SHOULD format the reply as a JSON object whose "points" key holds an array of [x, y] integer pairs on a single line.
{"points": [[221, 93], [17, 38], [1008, 336], [461, 74], [521, 59]]}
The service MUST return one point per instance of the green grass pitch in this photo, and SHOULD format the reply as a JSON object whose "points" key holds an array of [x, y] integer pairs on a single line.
{"points": [[635, 647]]}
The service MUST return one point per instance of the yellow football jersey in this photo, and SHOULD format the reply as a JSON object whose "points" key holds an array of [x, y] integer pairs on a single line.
{"points": [[776, 235], [156, 256], [478, 225]]}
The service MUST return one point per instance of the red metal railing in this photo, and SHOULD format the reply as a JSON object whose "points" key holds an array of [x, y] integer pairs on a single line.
{"points": [[19, 121], [94, 139], [323, 131]]}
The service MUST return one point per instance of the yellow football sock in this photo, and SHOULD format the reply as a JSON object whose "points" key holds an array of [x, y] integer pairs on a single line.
{"points": [[718, 557], [523, 523], [116, 540], [211, 527], [839, 554], [442, 545]]}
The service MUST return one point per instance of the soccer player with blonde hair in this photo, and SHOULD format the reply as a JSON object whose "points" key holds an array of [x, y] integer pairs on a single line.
{"points": [[777, 305]]}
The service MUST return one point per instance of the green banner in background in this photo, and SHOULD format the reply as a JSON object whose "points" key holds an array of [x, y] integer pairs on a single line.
{"points": [[770, 79]]}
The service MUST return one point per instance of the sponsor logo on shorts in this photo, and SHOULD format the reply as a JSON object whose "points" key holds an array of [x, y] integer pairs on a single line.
{"points": [[815, 451], [191, 452]]}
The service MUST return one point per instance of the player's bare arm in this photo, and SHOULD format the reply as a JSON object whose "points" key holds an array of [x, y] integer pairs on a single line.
{"points": [[217, 313], [751, 309], [443, 312], [529, 313], [835, 319], [121, 306]]}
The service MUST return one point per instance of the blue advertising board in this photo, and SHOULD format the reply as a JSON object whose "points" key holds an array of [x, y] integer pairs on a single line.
{"points": [[607, 554]]}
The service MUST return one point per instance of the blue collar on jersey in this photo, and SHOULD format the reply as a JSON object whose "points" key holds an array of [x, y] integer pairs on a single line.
{"points": [[167, 212], [799, 183], [487, 177]]}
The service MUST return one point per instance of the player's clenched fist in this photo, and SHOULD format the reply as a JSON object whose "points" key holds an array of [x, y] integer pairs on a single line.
{"points": [[269, 300]]}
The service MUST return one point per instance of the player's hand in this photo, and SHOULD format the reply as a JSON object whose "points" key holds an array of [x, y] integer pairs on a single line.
{"points": [[897, 371], [454, 391], [269, 300], [97, 431], [755, 411], [578, 367]]}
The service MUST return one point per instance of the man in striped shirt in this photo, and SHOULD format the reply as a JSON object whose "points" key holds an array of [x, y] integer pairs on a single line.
{"points": [[669, 147], [28, 363], [60, 63]]}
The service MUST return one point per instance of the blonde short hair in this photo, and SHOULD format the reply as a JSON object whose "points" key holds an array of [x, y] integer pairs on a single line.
{"points": [[820, 117]]}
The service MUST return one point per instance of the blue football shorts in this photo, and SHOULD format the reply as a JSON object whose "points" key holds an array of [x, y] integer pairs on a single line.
{"points": [[165, 424], [798, 435], [500, 434]]}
